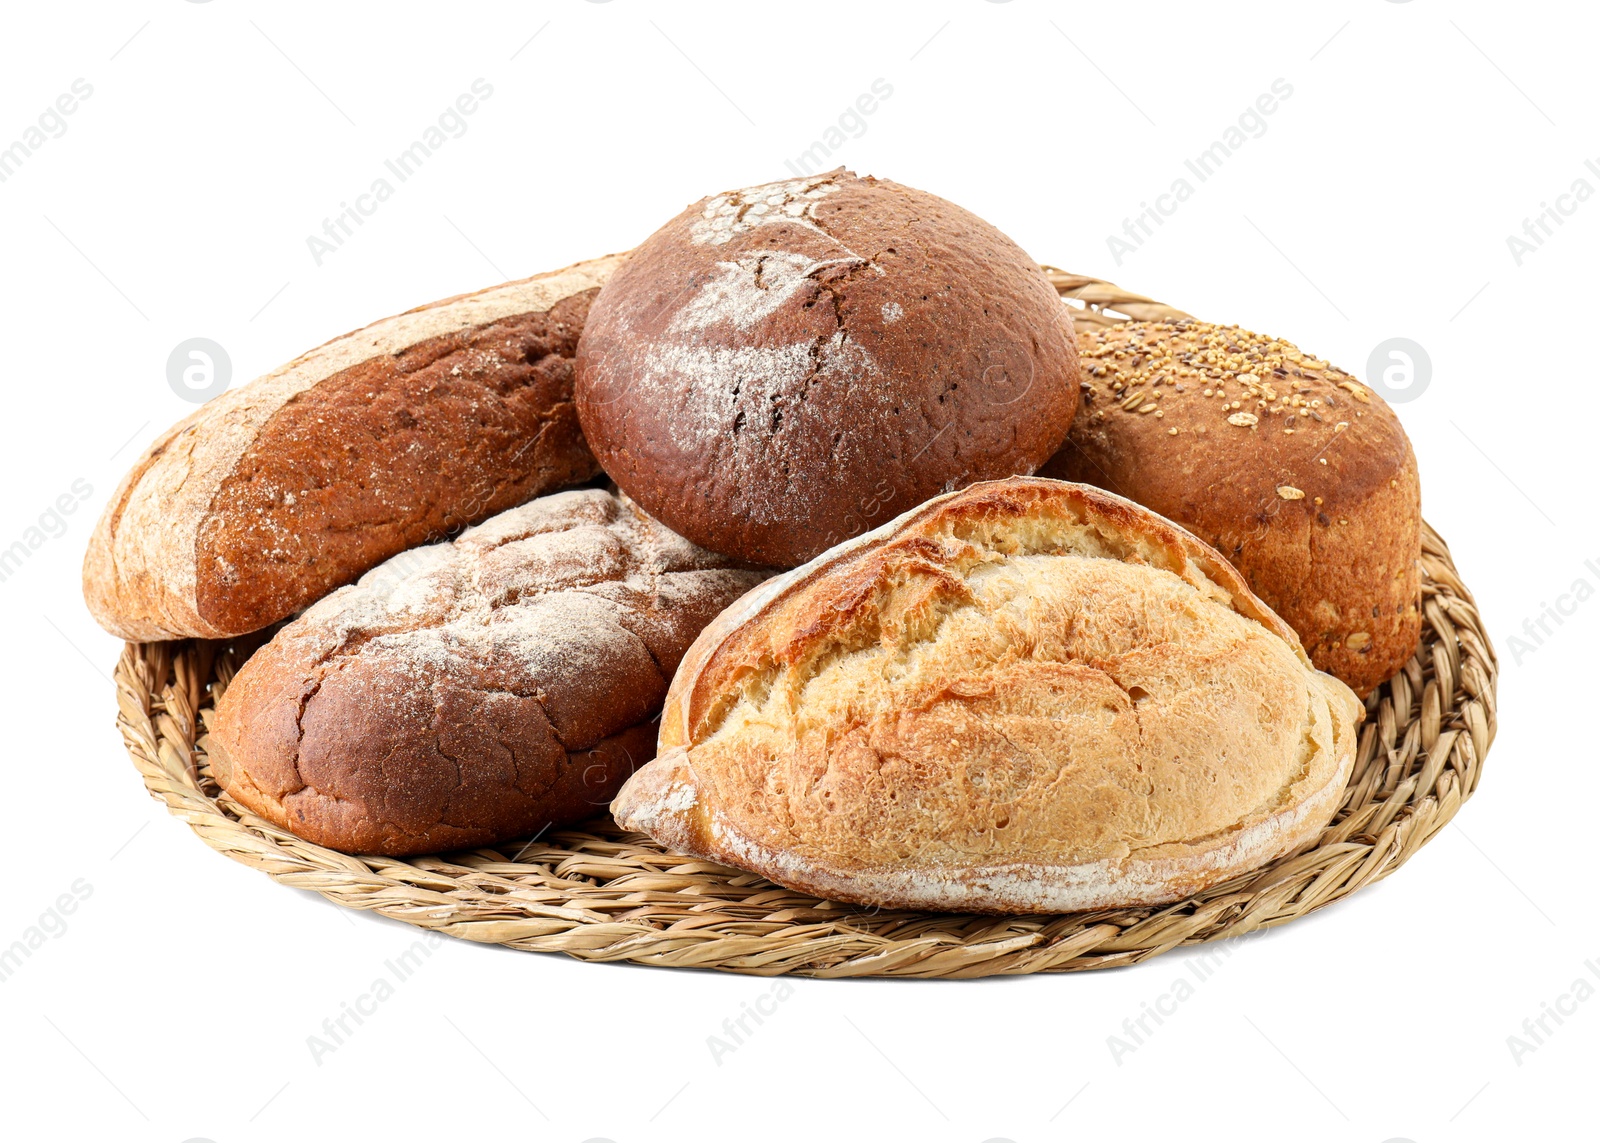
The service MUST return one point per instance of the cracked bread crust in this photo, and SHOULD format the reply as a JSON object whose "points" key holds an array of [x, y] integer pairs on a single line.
{"points": [[398, 434], [1028, 696], [472, 692], [783, 367], [1294, 470]]}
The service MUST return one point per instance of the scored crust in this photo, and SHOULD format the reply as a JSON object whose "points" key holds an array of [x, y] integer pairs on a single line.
{"points": [[782, 367], [471, 692], [1029, 696], [396, 434], [1298, 473]]}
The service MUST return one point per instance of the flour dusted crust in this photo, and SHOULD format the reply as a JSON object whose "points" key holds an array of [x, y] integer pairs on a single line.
{"points": [[1298, 473], [274, 493], [782, 367], [1028, 696], [472, 692]]}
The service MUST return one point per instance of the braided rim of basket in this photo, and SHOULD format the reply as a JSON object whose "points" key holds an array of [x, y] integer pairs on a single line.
{"points": [[597, 893]]}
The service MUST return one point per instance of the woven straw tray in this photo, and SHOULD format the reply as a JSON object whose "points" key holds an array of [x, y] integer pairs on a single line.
{"points": [[597, 893]]}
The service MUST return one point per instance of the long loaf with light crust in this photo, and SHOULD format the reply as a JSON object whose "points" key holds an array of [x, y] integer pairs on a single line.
{"points": [[398, 434]]}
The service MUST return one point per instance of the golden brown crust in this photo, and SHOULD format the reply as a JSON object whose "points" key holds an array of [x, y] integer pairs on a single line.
{"points": [[1293, 469], [814, 604], [472, 692], [393, 435], [1027, 696], [783, 367]]}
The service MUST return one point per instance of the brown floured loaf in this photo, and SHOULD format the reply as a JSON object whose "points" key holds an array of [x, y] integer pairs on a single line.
{"points": [[399, 434], [472, 692], [1294, 470], [785, 366], [1028, 696]]}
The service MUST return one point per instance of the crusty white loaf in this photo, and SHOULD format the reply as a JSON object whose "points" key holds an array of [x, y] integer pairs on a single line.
{"points": [[1028, 696], [273, 494]]}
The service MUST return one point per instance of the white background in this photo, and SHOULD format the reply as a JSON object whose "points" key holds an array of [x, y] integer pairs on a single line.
{"points": [[1419, 136]]}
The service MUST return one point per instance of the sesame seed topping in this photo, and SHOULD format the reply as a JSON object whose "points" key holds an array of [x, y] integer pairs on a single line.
{"points": [[1164, 367]]}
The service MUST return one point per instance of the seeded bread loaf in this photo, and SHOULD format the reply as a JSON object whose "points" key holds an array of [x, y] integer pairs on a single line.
{"points": [[274, 493], [785, 366], [1029, 696], [472, 692], [1294, 470]]}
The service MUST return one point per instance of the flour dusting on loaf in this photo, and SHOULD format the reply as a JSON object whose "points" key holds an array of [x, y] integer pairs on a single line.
{"points": [[793, 201], [782, 367], [472, 691]]}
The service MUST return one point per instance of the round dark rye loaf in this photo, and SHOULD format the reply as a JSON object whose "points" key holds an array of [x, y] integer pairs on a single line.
{"points": [[398, 434], [472, 692], [1294, 470], [785, 366]]}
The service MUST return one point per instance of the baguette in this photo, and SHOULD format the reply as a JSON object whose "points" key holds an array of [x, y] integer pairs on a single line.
{"points": [[275, 493]]}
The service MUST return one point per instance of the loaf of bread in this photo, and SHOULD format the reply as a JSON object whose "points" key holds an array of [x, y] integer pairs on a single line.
{"points": [[1028, 696], [273, 494], [472, 692], [782, 367], [1294, 470]]}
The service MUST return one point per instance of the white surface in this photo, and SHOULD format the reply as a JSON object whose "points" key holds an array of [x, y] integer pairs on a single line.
{"points": [[1377, 203]]}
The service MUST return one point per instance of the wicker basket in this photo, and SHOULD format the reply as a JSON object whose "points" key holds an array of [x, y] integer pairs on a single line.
{"points": [[597, 893]]}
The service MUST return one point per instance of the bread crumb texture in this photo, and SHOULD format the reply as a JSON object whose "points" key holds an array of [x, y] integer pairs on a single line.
{"points": [[473, 691], [1030, 696]]}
